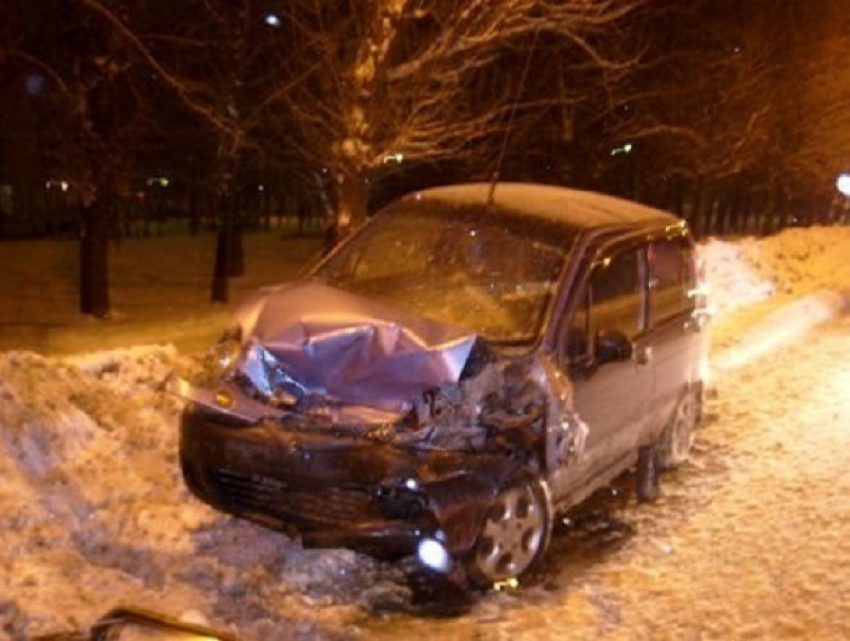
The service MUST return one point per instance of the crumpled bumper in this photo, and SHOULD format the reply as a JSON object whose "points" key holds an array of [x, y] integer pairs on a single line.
{"points": [[338, 490]]}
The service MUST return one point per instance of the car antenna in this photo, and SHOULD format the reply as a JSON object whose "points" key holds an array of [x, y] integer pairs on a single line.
{"points": [[494, 179]]}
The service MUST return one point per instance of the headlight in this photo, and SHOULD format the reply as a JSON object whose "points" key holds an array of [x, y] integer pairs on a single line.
{"points": [[222, 357], [270, 379], [433, 555]]}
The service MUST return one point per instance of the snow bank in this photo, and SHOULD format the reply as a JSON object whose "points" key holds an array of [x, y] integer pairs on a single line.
{"points": [[769, 292], [732, 281], [93, 512], [781, 327], [794, 262], [800, 261], [86, 455]]}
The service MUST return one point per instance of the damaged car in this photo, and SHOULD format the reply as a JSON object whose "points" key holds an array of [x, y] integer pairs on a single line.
{"points": [[472, 361]]}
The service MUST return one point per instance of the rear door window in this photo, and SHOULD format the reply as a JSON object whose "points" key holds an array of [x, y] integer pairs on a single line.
{"points": [[672, 279]]}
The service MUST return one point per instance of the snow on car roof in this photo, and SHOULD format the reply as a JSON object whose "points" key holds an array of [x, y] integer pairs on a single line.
{"points": [[574, 207]]}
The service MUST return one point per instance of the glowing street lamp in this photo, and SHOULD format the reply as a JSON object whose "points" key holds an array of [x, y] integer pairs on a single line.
{"points": [[843, 184]]}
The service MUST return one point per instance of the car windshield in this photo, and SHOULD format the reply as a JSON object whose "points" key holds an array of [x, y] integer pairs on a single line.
{"points": [[492, 272]]}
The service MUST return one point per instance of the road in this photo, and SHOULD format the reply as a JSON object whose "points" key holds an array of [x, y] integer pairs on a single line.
{"points": [[751, 539]]}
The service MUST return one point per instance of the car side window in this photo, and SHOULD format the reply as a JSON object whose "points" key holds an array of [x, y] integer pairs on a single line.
{"points": [[672, 279], [612, 300], [617, 295]]}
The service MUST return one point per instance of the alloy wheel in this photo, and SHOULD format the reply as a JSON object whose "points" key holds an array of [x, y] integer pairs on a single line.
{"points": [[514, 535]]}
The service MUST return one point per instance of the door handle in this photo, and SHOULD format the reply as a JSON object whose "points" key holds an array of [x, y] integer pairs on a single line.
{"points": [[643, 355]]}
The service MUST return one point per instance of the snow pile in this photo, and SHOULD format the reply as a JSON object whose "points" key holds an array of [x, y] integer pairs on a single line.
{"points": [[800, 261], [732, 281], [81, 451], [794, 262], [93, 512], [769, 292]]}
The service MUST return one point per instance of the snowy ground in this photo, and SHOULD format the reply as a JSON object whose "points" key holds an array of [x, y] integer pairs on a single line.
{"points": [[750, 540], [160, 289]]}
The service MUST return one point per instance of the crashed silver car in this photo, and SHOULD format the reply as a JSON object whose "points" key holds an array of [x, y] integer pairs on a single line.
{"points": [[466, 365]]}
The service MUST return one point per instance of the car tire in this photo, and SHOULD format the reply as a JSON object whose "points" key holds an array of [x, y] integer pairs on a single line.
{"points": [[647, 489], [514, 535], [677, 439]]}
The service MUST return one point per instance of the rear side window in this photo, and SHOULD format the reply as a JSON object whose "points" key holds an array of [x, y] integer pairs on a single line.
{"points": [[672, 279]]}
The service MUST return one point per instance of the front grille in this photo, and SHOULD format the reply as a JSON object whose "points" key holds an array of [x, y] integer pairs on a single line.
{"points": [[309, 509]]}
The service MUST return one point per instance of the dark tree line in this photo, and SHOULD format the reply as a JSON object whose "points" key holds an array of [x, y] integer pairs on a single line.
{"points": [[738, 117]]}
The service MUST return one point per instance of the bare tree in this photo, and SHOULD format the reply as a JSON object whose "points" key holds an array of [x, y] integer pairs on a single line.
{"points": [[223, 61], [92, 110], [387, 82], [813, 139], [698, 109], [733, 112]]}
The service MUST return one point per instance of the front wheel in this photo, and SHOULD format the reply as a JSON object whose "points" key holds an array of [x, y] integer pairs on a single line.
{"points": [[515, 533], [678, 437]]}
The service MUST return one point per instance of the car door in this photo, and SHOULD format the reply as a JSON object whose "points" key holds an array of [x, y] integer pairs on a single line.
{"points": [[610, 397], [675, 332]]}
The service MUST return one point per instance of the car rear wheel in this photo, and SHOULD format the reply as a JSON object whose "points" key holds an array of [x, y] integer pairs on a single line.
{"points": [[515, 533], [678, 437]]}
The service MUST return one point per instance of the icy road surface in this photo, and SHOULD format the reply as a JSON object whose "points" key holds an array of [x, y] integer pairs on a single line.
{"points": [[750, 540]]}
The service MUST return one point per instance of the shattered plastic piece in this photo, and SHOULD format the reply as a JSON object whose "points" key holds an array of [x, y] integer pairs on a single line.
{"points": [[509, 584]]}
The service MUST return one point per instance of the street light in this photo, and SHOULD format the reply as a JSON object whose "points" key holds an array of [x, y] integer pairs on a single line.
{"points": [[843, 184]]}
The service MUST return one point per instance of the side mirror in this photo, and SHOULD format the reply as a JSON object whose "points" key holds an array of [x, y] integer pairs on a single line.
{"points": [[612, 346]]}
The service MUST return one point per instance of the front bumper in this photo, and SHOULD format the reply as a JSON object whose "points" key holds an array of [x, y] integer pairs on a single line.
{"points": [[337, 490]]}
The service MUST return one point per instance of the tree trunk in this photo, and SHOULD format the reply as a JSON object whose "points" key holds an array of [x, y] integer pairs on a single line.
{"points": [[746, 213], [236, 261], [722, 227], [94, 260], [221, 268], [194, 210], [698, 213], [352, 195], [229, 254], [767, 224]]}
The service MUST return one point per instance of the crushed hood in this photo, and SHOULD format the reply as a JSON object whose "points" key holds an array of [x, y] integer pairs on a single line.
{"points": [[352, 349]]}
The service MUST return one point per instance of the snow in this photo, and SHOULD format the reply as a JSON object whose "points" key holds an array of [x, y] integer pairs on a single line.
{"points": [[160, 289], [750, 539]]}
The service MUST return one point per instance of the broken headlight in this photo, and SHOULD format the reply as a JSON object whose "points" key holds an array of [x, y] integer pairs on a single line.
{"points": [[222, 357], [270, 379]]}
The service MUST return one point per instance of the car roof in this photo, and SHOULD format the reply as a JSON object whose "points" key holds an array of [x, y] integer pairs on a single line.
{"points": [[571, 207]]}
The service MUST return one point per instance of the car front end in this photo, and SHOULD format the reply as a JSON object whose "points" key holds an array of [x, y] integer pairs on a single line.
{"points": [[384, 402]]}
